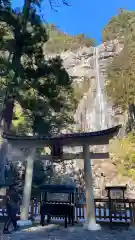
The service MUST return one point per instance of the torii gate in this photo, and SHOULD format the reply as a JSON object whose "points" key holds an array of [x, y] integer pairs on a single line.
{"points": [[77, 139]]}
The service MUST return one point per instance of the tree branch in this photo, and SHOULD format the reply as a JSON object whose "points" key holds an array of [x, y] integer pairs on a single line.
{"points": [[54, 4]]}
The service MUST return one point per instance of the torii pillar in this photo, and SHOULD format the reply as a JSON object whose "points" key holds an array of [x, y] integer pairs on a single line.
{"points": [[90, 223], [27, 189]]}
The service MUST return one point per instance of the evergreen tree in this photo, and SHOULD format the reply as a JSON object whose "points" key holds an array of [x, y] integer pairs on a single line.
{"points": [[120, 82], [41, 87]]}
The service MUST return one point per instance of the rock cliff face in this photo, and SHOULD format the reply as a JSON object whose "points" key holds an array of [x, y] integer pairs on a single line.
{"points": [[80, 64], [90, 63]]}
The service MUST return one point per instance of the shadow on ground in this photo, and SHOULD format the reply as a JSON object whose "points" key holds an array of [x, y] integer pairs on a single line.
{"points": [[77, 232]]}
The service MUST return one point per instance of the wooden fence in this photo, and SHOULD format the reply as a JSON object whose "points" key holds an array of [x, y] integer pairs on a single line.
{"points": [[116, 210]]}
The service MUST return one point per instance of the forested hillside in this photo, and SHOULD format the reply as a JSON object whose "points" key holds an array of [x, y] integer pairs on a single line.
{"points": [[120, 87], [59, 41], [121, 73]]}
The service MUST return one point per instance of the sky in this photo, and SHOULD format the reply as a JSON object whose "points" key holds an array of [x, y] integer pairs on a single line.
{"points": [[83, 16]]}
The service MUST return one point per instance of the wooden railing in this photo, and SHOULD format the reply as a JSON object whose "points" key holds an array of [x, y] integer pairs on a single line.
{"points": [[116, 210]]}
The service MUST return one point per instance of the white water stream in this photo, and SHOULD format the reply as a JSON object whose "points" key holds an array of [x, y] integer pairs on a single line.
{"points": [[94, 113], [99, 110]]}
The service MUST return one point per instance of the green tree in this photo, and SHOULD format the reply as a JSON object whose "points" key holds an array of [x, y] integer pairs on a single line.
{"points": [[41, 87], [59, 41], [119, 26], [122, 152], [120, 82]]}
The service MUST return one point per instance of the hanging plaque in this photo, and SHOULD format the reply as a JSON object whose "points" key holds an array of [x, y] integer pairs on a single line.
{"points": [[116, 194], [58, 197]]}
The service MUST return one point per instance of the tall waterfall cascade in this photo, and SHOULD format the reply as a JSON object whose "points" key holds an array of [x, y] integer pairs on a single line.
{"points": [[95, 112]]}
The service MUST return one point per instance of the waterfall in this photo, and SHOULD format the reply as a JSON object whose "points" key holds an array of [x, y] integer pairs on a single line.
{"points": [[100, 112], [94, 112]]}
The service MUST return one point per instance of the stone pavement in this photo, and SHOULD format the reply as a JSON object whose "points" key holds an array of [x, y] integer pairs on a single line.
{"points": [[55, 232]]}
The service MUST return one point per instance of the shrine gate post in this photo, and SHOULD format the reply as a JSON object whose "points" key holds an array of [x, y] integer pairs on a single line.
{"points": [[27, 187]]}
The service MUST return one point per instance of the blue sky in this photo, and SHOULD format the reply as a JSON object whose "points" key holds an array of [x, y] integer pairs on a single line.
{"points": [[84, 16]]}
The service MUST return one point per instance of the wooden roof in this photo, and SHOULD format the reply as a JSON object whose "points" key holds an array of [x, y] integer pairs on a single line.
{"points": [[56, 188], [76, 139], [114, 187]]}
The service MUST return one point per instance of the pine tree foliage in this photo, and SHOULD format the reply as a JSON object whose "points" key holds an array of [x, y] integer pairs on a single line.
{"points": [[42, 88]]}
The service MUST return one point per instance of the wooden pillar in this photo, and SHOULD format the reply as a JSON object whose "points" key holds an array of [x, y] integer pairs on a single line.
{"points": [[90, 206], [27, 188]]}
